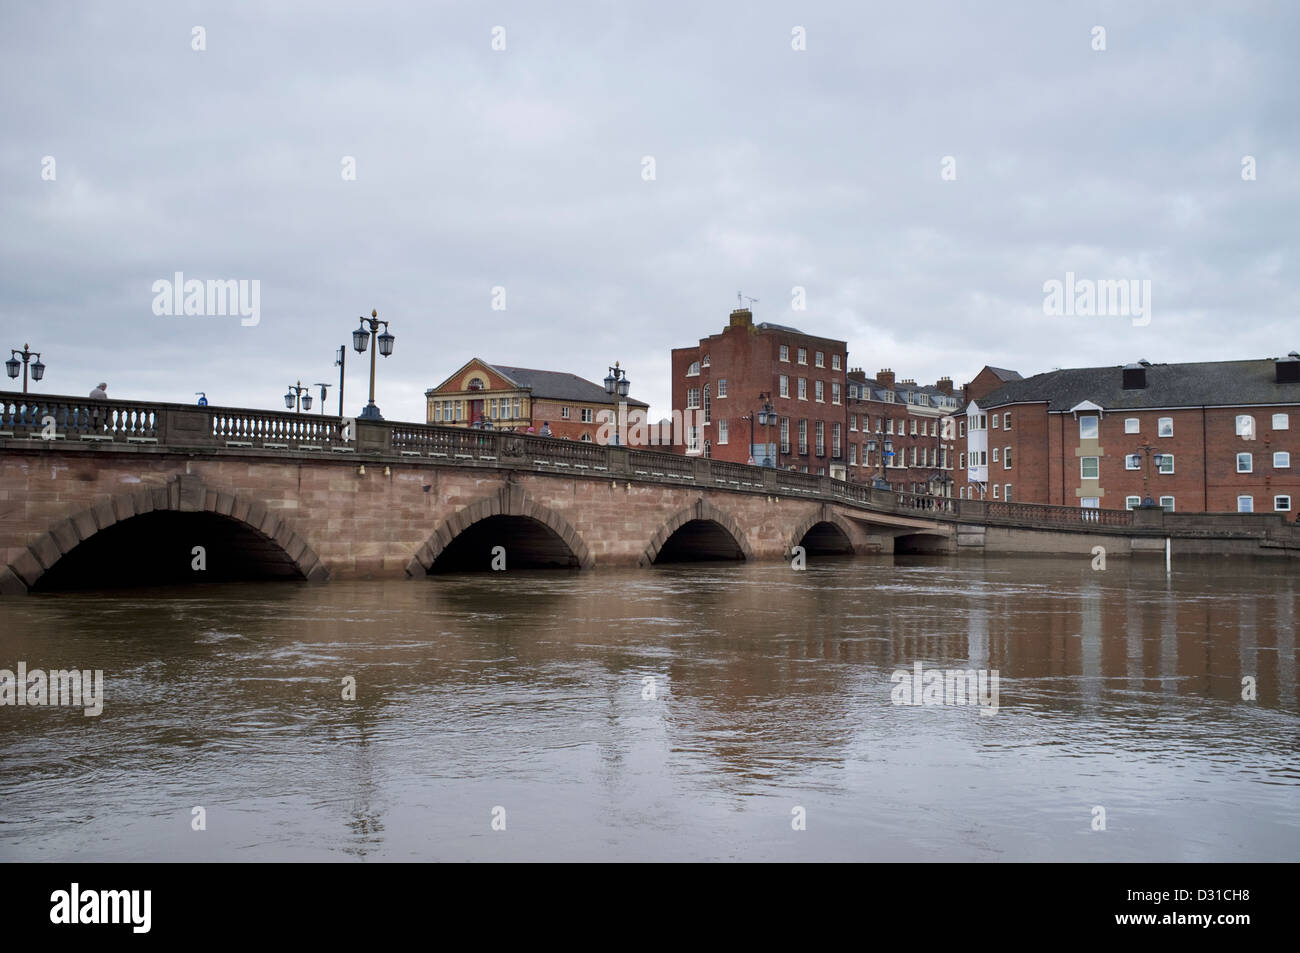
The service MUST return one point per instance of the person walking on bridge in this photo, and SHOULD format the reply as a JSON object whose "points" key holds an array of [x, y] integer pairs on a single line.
{"points": [[100, 392]]}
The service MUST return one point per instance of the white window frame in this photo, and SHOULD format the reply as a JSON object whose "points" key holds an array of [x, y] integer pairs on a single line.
{"points": [[819, 392], [1083, 462], [1284, 456], [1006, 421], [1132, 461], [722, 388], [722, 430], [835, 362], [1244, 426], [1282, 509], [1132, 502], [1281, 422], [803, 388], [801, 356], [1245, 504], [1132, 425], [693, 370], [784, 389], [564, 413], [1250, 463], [819, 359], [1164, 424], [1006, 458], [784, 353], [1166, 458], [1170, 507], [1096, 427], [835, 392]]}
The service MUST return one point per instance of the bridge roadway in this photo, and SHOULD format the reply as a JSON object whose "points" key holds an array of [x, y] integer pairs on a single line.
{"points": [[97, 493]]}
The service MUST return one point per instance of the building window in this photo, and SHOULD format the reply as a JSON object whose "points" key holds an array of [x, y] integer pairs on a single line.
{"points": [[835, 362], [1166, 463], [803, 355], [961, 428], [1167, 504], [1245, 463], [785, 386], [995, 454], [889, 426], [803, 388], [803, 436], [437, 411], [1088, 428], [961, 461], [1282, 504], [1245, 504], [785, 353], [516, 401], [722, 431], [708, 404], [821, 438], [1006, 493], [1165, 427], [853, 454], [1281, 459], [705, 361], [692, 439], [1132, 461], [913, 428], [693, 370], [853, 421], [708, 448], [835, 441], [995, 491], [995, 421], [818, 393], [1006, 420], [1088, 468], [1131, 502], [785, 434], [1246, 426], [693, 398], [819, 359], [1281, 422], [1006, 458], [585, 438], [588, 415], [564, 413], [722, 388], [835, 392], [1090, 502], [1132, 425]]}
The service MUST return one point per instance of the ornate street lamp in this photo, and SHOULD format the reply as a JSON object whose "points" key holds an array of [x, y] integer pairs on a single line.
{"points": [[1158, 458], [766, 417], [298, 399], [880, 482], [617, 386], [12, 365], [383, 345]]}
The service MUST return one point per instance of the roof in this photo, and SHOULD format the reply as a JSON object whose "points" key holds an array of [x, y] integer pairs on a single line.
{"points": [[1005, 375], [768, 326], [560, 385], [1209, 383]]}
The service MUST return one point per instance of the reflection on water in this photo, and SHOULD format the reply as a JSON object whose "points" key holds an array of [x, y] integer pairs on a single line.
{"points": [[771, 690]]}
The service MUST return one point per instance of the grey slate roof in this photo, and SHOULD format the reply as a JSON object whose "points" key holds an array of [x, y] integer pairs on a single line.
{"points": [[559, 385], [1006, 375], [1212, 383]]}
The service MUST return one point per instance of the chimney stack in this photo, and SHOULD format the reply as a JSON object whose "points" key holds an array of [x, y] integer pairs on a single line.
{"points": [[886, 378], [944, 385], [742, 318]]}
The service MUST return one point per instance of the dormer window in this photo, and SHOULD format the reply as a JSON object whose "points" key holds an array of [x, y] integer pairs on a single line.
{"points": [[693, 370]]}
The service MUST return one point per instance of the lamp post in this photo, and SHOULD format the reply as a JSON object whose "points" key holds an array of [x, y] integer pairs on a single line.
{"points": [[383, 344], [298, 399], [617, 385], [11, 365], [1148, 450], [323, 389], [766, 417], [880, 482], [340, 359]]}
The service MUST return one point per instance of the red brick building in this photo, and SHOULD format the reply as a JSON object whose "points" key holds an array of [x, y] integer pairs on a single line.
{"points": [[1227, 432], [517, 398], [730, 377], [908, 417]]}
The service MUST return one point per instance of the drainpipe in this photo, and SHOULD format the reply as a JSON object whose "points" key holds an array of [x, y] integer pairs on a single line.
{"points": [[1205, 468]]}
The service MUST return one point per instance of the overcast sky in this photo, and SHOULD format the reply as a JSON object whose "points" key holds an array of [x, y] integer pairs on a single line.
{"points": [[522, 168]]}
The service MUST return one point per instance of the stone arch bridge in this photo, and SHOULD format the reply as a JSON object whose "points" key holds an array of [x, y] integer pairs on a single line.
{"points": [[107, 492]]}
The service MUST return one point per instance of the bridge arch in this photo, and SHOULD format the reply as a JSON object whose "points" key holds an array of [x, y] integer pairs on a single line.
{"points": [[700, 511], [836, 535], [509, 501], [265, 534]]}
